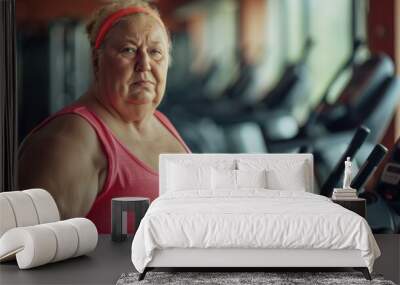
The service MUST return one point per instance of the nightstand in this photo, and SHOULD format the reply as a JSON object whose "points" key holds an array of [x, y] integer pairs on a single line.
{"points": [[119, 208], [356, 205]]}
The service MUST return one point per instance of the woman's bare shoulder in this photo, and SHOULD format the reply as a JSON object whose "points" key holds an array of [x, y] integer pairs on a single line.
{"points": [[63, 131], [64, 158]]}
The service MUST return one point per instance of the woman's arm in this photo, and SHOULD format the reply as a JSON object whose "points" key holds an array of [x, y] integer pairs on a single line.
{"points": [[65, 159]]}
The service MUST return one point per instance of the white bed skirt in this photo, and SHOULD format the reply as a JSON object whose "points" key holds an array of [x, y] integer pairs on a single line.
{"points": [[193, 257]]}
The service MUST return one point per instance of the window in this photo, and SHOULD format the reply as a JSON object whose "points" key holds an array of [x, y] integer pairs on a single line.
{"points": [[330, 29]]}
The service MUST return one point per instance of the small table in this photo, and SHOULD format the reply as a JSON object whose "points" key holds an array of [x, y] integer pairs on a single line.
{"points": [[119, 208], [357, 205]]}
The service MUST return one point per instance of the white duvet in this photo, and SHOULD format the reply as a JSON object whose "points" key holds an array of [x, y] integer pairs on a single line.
{"points": [[250, 219]]}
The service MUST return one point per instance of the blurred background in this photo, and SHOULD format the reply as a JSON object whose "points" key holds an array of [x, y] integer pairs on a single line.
{"points": [[245, 73], [252, 76]]}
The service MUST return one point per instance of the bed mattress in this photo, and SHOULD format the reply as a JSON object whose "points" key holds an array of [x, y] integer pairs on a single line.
{"points": [[250, 219]]}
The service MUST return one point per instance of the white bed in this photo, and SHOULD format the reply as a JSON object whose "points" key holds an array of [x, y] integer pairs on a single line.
{"points": [[195, 223]]}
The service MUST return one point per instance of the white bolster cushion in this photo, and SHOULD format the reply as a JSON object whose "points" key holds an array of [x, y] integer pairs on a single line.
{"points": [[7, 218], [23, 208], [45, 205], [40, 244], [87, 235], [33, 246], [26, 208], [66, 238]]}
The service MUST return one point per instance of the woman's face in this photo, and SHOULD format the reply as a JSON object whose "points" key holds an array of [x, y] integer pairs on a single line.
{"points": [[131, 67]]}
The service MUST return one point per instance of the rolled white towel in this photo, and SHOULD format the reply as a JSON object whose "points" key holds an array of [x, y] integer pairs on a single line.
{"points": [[40, 244]]}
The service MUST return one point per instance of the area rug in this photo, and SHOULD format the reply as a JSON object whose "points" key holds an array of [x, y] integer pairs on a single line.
{"points": [[243, 278]]}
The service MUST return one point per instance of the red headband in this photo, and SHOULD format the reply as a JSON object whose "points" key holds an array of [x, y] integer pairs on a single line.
{"points": [[110, 20]]}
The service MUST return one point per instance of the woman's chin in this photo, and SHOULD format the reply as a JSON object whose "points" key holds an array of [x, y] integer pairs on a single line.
{"points": [[142, 101], [140, 98]]}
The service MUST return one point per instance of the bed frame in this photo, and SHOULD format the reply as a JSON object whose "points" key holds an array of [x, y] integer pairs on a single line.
{"points": [[246, 258]]}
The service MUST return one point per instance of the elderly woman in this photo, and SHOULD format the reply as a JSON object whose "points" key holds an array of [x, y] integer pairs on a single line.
{"points": [[107, 143]]}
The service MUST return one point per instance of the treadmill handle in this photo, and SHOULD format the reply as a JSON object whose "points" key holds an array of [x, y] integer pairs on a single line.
{"points": [[369, 166], [355, 144]]}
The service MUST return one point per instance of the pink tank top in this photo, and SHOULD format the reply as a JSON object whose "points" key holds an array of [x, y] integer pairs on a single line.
{"points": [[126, 174]]}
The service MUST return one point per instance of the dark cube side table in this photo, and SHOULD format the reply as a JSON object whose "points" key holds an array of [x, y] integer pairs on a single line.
{"points": [[358, 205], [119, 208]]}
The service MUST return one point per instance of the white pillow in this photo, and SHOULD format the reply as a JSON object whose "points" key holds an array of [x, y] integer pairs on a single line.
{"points": [[188, 177], [296, 180], [251, 178], [226, 179], [282, 174], [223, 179], [189, 160]]}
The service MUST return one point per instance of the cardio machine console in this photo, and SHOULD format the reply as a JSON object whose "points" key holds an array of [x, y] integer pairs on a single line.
{"points": [[391, 174], [389, 184]]}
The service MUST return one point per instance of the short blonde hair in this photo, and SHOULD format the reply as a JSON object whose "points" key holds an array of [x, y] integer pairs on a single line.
{"points": [[98, 17]]}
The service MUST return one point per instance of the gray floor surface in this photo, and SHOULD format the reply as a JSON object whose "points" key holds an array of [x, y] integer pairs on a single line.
{"points": [[102, 266]]}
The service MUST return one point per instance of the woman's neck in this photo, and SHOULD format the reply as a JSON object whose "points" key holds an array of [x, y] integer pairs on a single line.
{"points": [[133, 122]]}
